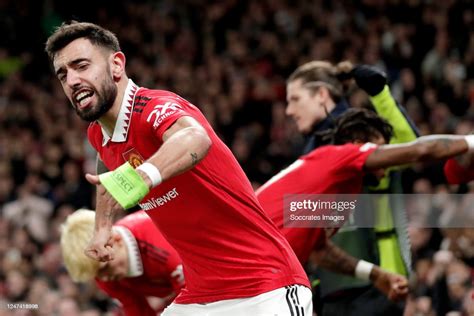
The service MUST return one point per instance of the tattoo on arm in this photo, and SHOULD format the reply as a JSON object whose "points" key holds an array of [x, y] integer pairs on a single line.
{"points": [[194, 157], [446, 144], [337, 260]]}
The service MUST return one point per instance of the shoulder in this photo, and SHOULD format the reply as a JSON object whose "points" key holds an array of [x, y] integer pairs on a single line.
{"points": [[340, 155], [157, 105]]}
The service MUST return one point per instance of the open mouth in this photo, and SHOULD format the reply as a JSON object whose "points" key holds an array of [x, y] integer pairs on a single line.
{"points": [[83, 97]]}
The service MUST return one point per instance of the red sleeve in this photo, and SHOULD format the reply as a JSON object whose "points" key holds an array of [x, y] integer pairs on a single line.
{"points": [[132, 303], [456, 174], [162, 112], [345, 158]]}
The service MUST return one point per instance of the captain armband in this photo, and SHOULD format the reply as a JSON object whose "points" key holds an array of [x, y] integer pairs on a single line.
{"points": [[125, 185]]}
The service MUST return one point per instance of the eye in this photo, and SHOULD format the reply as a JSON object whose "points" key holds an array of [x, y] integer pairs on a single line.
{"points": [[82, 66], [61, 77]]}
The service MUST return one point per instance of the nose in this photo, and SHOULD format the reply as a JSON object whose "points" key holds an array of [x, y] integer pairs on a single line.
{"points": [[73, 79]]}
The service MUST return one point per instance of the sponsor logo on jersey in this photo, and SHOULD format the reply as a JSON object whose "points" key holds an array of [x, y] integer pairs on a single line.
{"points": [[162, 111], [155, 202]]}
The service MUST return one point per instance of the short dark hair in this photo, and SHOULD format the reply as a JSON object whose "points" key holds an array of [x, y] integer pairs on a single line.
{"points": [[72, 30], [360, 125]]}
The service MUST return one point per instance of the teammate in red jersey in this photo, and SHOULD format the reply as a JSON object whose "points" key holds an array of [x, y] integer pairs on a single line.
{"points": [[144, 264], [358, 149], [235, 259]]}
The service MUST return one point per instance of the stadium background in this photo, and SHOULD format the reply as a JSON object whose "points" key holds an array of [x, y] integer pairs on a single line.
{"points": [[231, 59]]}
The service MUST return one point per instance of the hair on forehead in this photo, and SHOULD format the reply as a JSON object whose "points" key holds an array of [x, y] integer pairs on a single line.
{"points": [[72, 30]]}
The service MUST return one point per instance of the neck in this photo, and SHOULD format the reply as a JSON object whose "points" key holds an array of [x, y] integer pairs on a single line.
{"points": [[108, 120]]}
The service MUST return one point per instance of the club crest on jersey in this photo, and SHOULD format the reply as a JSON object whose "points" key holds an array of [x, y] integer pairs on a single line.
{"points": [[133, 157], [162, 111]]}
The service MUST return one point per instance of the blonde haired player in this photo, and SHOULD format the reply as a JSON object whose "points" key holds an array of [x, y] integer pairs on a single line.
{"points": [[144, 264]]}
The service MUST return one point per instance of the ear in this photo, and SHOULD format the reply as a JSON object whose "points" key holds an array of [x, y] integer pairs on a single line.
{"points": [[324, 94], [117, 65]]}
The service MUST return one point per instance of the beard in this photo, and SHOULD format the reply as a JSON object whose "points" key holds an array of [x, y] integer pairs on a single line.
{"points": [[105, 99]]}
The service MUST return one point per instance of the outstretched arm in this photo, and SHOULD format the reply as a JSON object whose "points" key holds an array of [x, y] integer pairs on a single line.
{"points": [[426, 148], [185, 144], [374, 82], [334, 259]]}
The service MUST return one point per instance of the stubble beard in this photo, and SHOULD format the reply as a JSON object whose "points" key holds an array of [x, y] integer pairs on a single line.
{"points": [[105, 99]]}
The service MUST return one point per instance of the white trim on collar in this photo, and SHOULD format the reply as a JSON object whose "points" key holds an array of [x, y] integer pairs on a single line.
{"points": [[123, 119], [135, 264]]}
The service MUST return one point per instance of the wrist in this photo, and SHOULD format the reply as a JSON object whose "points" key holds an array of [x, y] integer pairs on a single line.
{"points": [[152, 173], [470, 142], [365, 271]]}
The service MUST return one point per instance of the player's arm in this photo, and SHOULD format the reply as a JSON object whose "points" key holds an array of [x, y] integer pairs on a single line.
{"points": [[373, 81], [334, 259], [426, 148], [185, 144]]}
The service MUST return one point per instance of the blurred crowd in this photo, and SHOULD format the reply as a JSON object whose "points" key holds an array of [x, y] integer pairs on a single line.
{"points": [[231, 58]]}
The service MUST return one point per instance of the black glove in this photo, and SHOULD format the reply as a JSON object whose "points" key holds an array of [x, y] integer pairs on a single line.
{"points": [[369, 78]]}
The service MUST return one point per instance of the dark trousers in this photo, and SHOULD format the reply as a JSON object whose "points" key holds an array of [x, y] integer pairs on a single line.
{"points": [[367, 301]]}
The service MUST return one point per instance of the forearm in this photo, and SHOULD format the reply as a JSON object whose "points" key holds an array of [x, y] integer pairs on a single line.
{"points": [[335, 259], [181, 152], [386, 107], [424, 149], [104, 215], [435, 147]]}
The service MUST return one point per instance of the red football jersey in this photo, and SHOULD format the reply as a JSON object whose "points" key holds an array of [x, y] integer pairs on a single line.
{"points": [[161, 266], [209, 214], [325, 170], [456, 174]]}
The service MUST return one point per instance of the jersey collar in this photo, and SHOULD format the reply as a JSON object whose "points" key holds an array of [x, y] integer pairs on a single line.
{"points": [[123, 119], [135, 264]]}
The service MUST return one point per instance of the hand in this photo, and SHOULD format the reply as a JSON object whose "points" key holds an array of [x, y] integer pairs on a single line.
{"points": [[100, 246], [394, 286], [369, 78]]}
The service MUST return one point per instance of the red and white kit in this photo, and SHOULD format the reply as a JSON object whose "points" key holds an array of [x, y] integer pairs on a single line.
{"points": [[326, 170], [229, 247], [155, 267]]}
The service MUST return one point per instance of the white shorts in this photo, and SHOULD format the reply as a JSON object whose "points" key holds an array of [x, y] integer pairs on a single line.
{"points": [[293, 300]]}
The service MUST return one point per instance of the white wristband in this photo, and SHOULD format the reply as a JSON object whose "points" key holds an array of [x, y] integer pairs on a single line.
{"points": [[470, 142], [363, 269], [152, 172]]}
